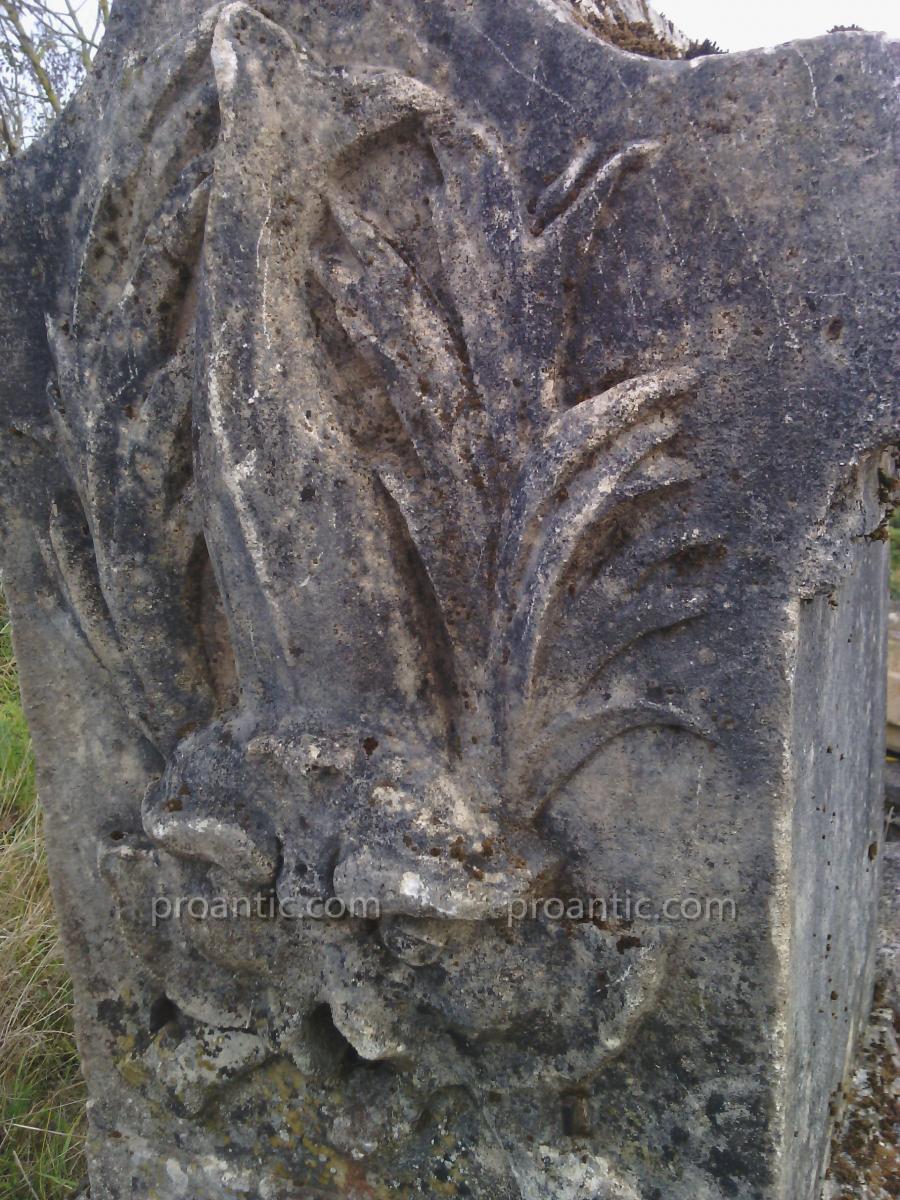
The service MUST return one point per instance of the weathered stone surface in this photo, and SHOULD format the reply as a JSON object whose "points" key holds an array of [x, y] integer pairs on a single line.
{"points": [[441, 467]]}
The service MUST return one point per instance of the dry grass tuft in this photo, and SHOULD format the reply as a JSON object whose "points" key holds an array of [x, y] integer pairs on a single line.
{"points": [[41, 1093]]}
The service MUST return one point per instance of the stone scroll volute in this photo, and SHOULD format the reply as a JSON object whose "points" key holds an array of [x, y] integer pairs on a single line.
{"points": [[430, 475]]}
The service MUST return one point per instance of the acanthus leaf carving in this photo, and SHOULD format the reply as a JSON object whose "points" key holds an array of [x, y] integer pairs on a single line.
{"points": [[401, 506]]}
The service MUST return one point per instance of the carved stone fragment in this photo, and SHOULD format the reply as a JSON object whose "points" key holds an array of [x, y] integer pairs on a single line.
{"points": [[445, 461]]}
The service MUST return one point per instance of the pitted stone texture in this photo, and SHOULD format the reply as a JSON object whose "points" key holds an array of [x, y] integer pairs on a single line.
{"points": [[444, 468]]}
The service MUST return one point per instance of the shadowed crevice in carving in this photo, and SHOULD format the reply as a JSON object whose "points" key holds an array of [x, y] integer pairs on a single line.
{"points": [[70, 555], [203, 598], [618, 606], [434, 636]]}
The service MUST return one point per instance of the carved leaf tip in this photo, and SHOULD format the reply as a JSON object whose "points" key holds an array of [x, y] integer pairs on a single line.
{"points": [[555, 754], [583, 187]]}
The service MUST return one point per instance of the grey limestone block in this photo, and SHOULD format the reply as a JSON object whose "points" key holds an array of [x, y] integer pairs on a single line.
{"points": [[445, 464]]}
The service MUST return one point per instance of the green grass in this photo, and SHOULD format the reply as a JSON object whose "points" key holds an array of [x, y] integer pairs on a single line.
{"points": [[895, 555], [41, 1093]]}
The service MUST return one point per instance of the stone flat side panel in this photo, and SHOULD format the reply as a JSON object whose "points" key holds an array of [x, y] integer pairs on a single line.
{"points": [[834, 845], [444, 465]]}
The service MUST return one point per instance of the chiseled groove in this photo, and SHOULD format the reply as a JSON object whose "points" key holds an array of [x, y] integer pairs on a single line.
{"points": [[536, 625], [435, 635]]}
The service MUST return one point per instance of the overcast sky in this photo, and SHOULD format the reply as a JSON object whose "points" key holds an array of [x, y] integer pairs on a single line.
{"points": [[734, 24], [746, 24]]}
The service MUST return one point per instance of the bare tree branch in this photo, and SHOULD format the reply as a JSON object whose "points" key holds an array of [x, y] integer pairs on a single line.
{"points": [[46, 47], [30, 51], [11, 107], [12, 146], [87, 46]]}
